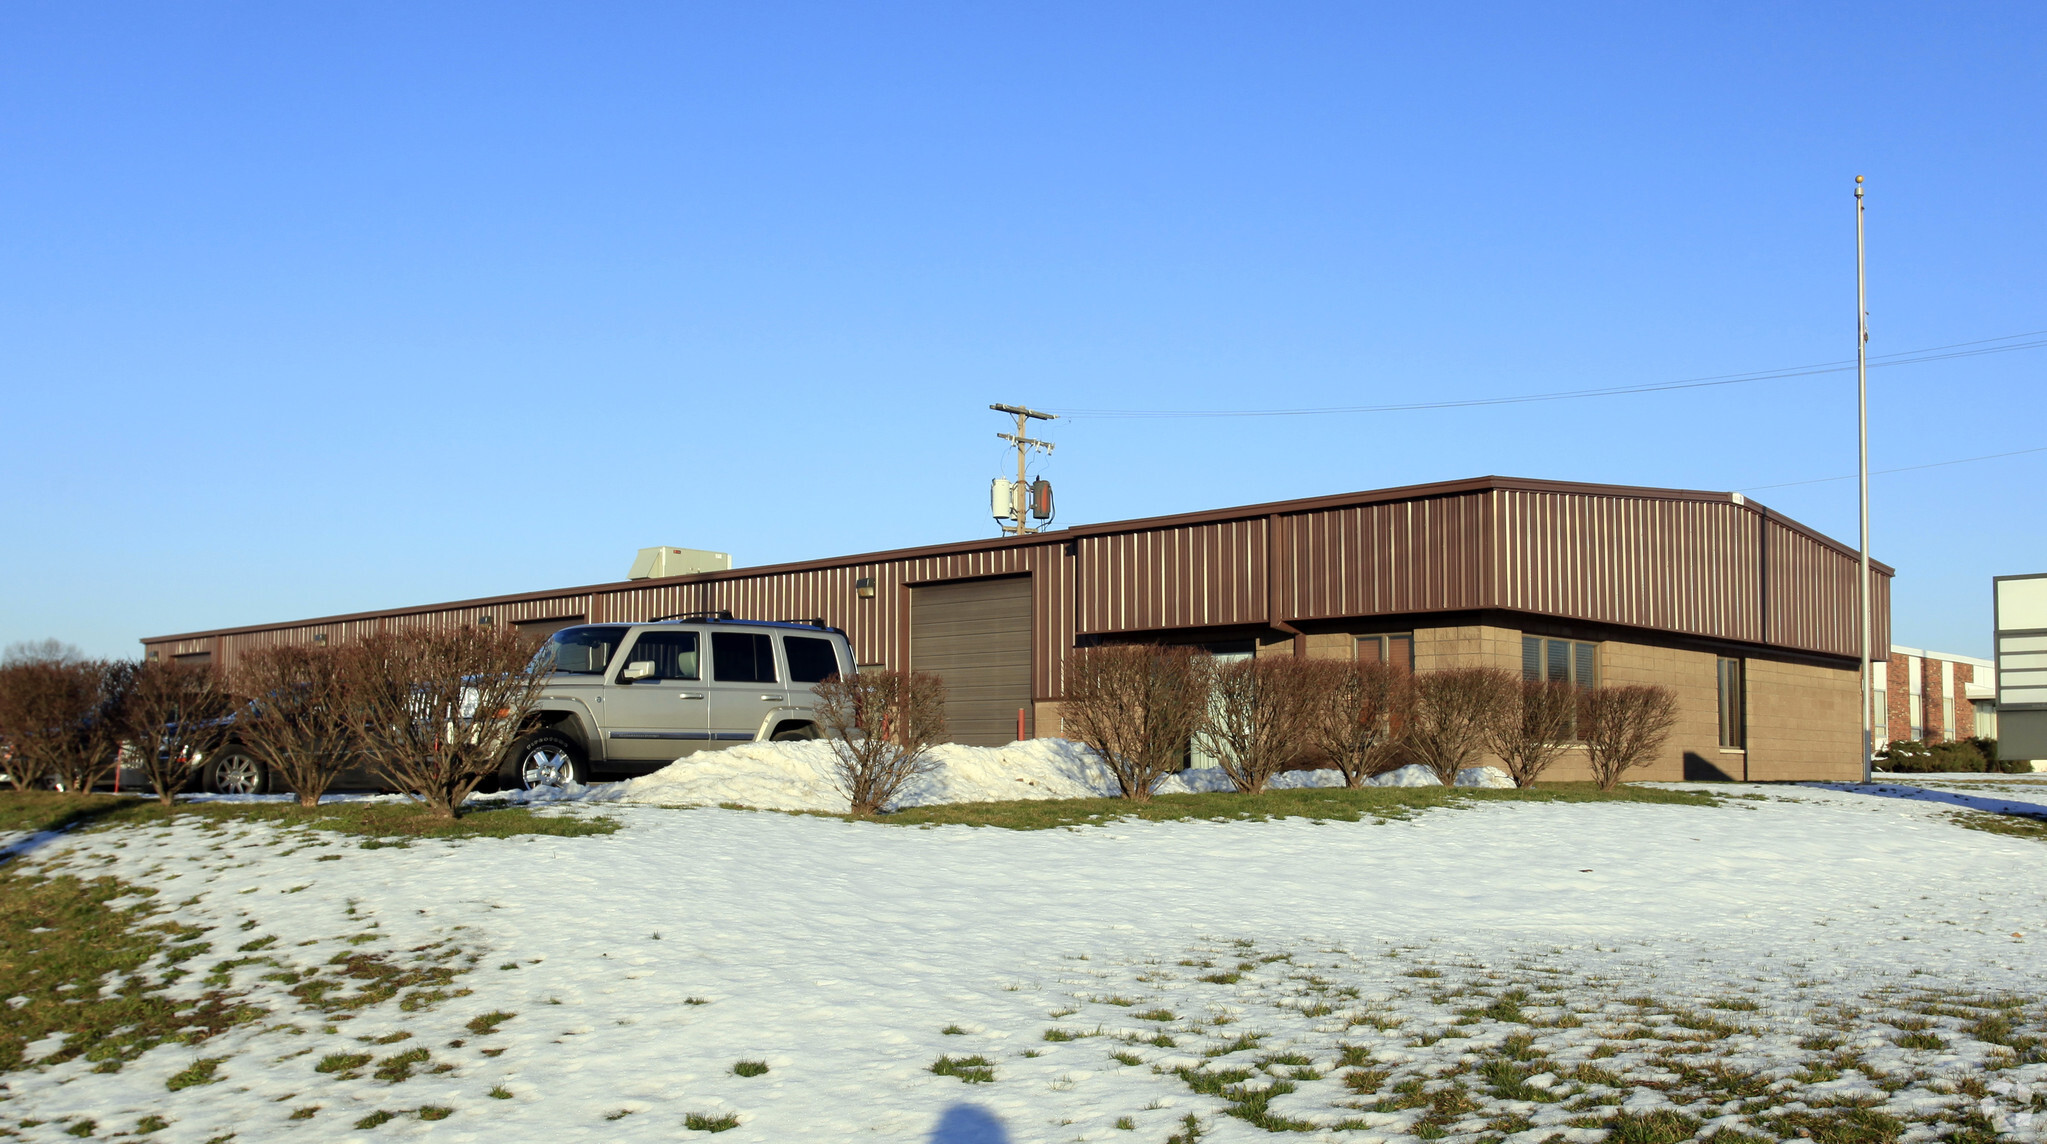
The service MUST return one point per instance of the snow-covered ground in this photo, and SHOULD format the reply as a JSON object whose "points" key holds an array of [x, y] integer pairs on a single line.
{"points": [[1102, 973]]}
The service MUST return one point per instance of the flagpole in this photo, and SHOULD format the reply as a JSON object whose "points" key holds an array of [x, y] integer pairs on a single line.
{"points": [[1862, 478]]}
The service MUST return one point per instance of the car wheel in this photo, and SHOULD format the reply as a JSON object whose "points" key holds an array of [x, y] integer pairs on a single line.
{"points": [[794, 734], [236, 771], [547, 759]]}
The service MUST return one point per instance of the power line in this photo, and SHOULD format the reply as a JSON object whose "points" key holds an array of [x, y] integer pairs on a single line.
{"points": [[1904, 357], [1903, 469]]}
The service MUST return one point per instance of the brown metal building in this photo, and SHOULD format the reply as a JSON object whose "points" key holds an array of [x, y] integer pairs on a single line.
{"points": [[1749, 615]]}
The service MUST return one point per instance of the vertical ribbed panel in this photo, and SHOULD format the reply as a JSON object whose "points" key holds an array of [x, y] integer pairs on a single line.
{"points": [[1203, 575]]}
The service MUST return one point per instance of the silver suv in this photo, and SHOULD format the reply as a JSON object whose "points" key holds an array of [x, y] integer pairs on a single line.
{"points": [[628, 699]]}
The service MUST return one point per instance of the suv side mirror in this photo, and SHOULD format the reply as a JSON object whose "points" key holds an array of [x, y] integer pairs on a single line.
{"points": [[639, 670]]}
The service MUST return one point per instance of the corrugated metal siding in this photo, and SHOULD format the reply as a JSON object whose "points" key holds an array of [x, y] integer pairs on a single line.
{"points": [[1379, 559], [1684, 566], [1687, 563], [1203, 575]]}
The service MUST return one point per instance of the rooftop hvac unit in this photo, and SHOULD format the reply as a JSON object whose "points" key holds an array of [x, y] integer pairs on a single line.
{"points": [[654, 563]]}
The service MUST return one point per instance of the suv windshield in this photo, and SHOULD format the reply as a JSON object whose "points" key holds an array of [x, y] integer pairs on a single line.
{"points": [[583, 651]]}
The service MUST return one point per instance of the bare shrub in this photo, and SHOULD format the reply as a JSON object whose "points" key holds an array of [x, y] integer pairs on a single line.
{"points": [[95, 751], [1258, 718], [1625, 728], [1455, 712], [177, 714], [44, 708], [1137, 707], [296, 716], [881, 724], [1357, 711], [438, 707], [1536, 726]]}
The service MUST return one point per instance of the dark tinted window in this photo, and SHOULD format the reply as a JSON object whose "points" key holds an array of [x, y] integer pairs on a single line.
{"points": [[673, 654], [811, 659], [742, 657], [584, 651]]}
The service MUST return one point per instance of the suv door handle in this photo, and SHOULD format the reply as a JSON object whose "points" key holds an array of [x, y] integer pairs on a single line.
{"points": [[774, 698], [691, 695]]}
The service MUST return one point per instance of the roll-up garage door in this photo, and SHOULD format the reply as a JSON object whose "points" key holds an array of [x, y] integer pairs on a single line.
{"points": [[976, 635]]}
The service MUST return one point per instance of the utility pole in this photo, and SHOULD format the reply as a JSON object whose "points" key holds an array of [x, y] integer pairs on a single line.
{"points": [[1862, 477], [1019, 496]]}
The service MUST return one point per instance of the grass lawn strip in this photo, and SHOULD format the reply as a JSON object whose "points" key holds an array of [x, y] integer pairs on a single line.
{"points": [[1330, 804]]}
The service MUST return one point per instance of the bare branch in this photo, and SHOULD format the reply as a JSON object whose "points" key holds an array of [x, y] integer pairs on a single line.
{"points": [[1625, 728], [1536, 726], [1357, 713], [439, 707], [881, 724], [1137, 707], [1455, 712], [1258, 718], [295, 716], [176, 716]]}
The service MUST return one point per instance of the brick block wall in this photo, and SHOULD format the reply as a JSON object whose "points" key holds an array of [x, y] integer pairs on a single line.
{"points": [[1694, 676], [1474, 646], [1803, 722]]}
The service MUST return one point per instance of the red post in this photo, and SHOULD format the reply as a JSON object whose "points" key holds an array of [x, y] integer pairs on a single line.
{"points": [[1019, 724]]}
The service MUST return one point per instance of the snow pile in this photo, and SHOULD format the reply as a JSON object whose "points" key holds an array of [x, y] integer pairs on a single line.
{"points": [[799, 776]]}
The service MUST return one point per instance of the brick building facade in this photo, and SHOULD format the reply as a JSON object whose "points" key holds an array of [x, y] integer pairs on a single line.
{"points": [[1934, 696]]}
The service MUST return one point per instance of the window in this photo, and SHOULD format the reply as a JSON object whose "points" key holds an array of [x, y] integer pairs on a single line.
{"points": [[673, 654], [1394, 649], [1733, 732], [1560, 661], [742, 657], [811, 660], [584, 651]]}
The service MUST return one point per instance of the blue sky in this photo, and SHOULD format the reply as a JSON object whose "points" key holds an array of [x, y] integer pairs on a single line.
{"points": [[316, 308]]}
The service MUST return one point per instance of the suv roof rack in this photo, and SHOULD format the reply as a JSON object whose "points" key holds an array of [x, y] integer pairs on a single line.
{"points": [[812, 622], [715, 614]]}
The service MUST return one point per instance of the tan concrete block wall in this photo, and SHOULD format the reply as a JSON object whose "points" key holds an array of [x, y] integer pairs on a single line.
{"points": [[1045, 722], [1694, 676], [1475, 646], [1803, 722]]}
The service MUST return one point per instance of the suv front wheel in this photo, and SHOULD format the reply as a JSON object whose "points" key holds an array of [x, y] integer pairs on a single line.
{"points": [[547, 759]]}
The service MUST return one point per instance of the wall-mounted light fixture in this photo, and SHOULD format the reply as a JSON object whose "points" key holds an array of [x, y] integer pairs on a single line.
{"points": [[486, 620], [864, 587], [320, 638], [154, 655]]}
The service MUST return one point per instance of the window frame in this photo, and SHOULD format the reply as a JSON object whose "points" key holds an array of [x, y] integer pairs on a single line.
{"points": [[1730, 674], [763, 640], [1383, 642], [1577, 654], [656, 635]]}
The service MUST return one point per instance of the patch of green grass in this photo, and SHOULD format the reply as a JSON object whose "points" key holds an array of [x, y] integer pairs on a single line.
{"points": [[500, 1092], [1661, 1126], [2015, 825], [374, 1119], [435, 1112], [61, 931], [306, 1113], [971, 1070], [1155, 1015], [82, 1128], [1330, 804], [398, 1068], [205, 1070], [341, 1062], [705, 1122], [750, 1068], [487, 1023], [151, 1123]]}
